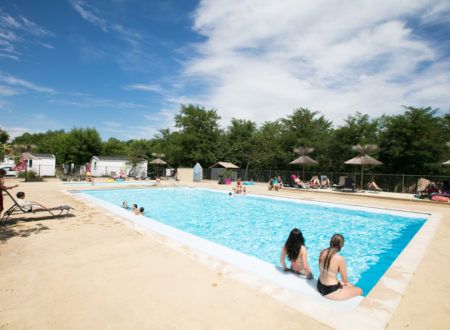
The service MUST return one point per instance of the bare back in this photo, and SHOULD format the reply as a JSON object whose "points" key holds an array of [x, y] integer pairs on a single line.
{"points": [[337, 263]]}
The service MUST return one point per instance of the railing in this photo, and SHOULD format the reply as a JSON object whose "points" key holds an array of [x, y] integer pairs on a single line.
{"points": [[388, 182]]}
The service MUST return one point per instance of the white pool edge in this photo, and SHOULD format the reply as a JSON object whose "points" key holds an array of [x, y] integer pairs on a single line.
{"points": [[371, 312]]}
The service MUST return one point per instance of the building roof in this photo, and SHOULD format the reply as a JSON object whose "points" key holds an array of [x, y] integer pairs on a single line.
{"points": [[224, 165], [111, 158], [116, 159], [38, 156]]}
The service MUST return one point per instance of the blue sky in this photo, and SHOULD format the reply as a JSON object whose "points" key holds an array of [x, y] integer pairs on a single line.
{"points": [[125, 66]]}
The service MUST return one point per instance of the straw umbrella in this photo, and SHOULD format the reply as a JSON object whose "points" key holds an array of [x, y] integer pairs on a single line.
{"points": [[364, 158], [303, 159], [158, 161]]}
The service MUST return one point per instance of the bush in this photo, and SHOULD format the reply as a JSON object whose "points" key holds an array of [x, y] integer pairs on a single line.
{"points": [[29, 176]]}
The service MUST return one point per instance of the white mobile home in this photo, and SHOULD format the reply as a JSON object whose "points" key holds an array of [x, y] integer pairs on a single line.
{"points": [[111, 166], [42, 164]]}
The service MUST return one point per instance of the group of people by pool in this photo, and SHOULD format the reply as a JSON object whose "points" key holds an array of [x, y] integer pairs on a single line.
{"points": [[331, 263], [134, 208], [275, 183]]}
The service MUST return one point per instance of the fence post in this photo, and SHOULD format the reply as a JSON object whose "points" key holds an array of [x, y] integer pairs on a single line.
{"points": [[403, 183], [39, 170]]}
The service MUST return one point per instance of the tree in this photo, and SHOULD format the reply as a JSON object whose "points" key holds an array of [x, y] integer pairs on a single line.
{"points": [[114, 147], [5, 148], [267, 152], [198, 135], [357, 129], [83, 143], [305, 127], [237, 141], [414, 142]]}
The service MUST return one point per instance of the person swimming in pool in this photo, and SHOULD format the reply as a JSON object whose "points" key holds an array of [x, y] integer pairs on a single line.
{"points": [[331, 263], [295, 250]]}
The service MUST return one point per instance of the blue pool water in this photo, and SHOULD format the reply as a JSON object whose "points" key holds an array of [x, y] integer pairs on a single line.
{"points": [[108, 183], [259, 226]]}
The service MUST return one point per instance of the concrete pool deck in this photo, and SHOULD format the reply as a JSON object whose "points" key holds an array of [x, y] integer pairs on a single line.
{"points": [[93, 271]]}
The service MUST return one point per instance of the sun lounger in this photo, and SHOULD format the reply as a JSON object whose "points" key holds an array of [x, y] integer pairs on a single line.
{"points": [[345, 184], [341, 183], [17, 209]]}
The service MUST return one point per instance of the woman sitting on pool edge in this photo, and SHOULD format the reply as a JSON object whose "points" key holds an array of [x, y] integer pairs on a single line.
{"points": [[295, 250], [331, 263]]}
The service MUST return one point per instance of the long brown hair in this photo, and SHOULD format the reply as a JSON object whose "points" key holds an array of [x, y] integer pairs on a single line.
{"points": [[336, 244], [294, 244]]}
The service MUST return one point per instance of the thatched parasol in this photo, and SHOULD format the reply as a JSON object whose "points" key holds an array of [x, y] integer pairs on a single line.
{"points": [[303, 159], [158, 161], [364, 158]]}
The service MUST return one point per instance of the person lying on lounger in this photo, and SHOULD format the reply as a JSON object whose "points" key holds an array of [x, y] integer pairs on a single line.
{"points": [[314, 182], [373, 186], [29, 206]]}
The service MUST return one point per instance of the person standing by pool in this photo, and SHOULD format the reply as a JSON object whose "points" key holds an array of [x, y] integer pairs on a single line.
{"points": [[295, 250], [331, 263], [3, 187]]}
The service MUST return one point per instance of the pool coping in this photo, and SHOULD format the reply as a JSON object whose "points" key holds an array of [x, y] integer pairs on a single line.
{"points": [[373, 311]]}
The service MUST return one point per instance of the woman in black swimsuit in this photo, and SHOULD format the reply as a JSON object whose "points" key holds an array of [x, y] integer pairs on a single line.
{"points": [[331, 263]]}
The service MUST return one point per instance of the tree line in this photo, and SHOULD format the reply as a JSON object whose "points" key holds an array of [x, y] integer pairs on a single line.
{"points": [[412, 142]]}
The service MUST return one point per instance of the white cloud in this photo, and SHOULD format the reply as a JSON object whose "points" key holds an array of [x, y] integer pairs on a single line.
{"points": [[91, 102], [88, 13], [15, 131], [153, 88], [18, 30], [7, 91], [263, 58], [24, 84]]}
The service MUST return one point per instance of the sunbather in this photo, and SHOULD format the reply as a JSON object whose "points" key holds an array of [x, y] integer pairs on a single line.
{"points": [[373, 186], [29, 206], [314, 183], [330, 264], [298, 182], [295, 250], [325, 182]]}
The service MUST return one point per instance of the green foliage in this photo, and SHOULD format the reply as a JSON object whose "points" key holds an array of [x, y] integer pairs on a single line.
{"points": [[82, 144], [139, 150], [413, 142], [4, 136], [114, 147], [29, 175], [357, 129], [198, 135], [237, 142], [5, 148]]}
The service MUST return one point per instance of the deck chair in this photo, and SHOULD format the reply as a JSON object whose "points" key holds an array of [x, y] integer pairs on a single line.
{"points": [[17, 209], [172, 176], [341, 183], [349, 185]]}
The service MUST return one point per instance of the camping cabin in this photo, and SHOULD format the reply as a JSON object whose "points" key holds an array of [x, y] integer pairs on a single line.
{"points": [[42, 164], [116, 165]]}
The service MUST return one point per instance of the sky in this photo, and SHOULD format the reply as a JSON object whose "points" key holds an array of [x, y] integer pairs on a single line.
{"points": [[125, 66]]}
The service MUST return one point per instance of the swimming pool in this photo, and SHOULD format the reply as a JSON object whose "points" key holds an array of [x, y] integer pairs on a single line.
{"points": [[108, 183], [258, 226]]}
